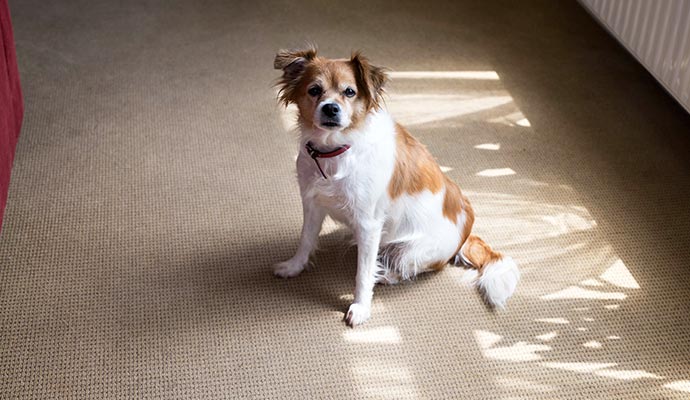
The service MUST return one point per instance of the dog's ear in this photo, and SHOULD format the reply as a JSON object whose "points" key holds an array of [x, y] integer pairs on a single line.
{"points": [[293, 63], [370, 79], [289, 60]]}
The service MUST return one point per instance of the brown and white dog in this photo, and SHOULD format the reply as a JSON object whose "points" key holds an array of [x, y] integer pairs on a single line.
{"points": [[364, 170]]}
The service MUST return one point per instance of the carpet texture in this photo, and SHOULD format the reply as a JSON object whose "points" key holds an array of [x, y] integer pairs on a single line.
{"points": [[153, 188]]}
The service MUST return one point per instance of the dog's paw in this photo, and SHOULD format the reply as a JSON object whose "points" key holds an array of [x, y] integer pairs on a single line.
{"points": [[288, 269], [357, 314]]}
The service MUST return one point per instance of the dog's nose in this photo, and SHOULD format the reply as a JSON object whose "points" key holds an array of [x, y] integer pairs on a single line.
{"points": [[331, 110]]}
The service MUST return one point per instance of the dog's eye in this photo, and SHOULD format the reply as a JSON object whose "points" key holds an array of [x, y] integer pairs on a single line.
{"points": [[315, 91], [349, 92]]}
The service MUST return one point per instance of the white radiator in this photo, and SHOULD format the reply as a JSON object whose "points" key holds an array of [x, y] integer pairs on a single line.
{"points": [[657, 33]]}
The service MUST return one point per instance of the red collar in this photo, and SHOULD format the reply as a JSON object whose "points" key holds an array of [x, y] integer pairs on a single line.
{"points": [[314, 154]]}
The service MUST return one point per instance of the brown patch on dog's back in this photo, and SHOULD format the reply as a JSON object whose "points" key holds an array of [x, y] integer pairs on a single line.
{"points": [[452, 201], [469, 219], [415, 168], [455, 203]]}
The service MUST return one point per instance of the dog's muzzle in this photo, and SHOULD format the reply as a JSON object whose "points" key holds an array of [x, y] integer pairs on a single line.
{"points": [[330, 115]]}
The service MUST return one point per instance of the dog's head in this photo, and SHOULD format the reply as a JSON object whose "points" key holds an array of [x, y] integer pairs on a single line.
{"points": [[331, 95]]}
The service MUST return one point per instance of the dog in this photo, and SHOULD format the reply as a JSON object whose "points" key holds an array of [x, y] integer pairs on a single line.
{"points": [[361, 168]]}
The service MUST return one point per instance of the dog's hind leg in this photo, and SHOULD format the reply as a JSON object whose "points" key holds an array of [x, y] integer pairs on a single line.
{"points": [[387, 261], [405, 260], [387, 276]]}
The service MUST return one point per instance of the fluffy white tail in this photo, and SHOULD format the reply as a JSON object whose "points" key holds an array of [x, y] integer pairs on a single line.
{"points": [[498, 275]]}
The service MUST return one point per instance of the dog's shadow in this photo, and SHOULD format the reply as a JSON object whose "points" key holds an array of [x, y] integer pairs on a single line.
{"points": [[329, 281], [218, 282]]}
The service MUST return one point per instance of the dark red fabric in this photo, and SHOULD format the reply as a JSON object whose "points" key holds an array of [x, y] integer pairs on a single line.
{"points": [[313, 153], [11, 105]]}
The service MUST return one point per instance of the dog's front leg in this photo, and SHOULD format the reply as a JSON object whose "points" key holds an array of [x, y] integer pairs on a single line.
{"points": [[368, 236], [311, 226]]}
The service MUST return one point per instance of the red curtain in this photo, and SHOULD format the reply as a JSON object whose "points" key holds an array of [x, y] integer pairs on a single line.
{"points": [[11, 105]]}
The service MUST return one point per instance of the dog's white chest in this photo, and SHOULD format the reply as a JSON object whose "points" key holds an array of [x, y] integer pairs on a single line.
{"points": [[356, 181]]}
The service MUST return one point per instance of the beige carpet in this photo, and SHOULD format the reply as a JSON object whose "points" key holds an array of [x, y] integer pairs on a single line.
{"points": [[153, 188]]}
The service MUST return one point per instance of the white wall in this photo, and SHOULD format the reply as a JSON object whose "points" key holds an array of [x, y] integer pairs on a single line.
{"points": [[657, 33]]}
